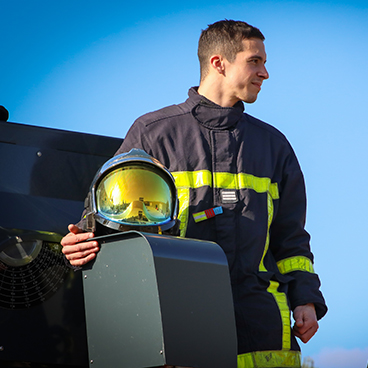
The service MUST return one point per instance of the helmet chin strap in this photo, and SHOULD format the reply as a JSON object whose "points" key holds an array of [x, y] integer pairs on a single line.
{"points": [[90, 223]]}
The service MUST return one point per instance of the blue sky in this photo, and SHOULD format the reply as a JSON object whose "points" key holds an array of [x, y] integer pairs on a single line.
{"points": [[95, 66]]}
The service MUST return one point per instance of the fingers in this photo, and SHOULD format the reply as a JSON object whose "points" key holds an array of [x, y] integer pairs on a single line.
{"points": [[306, 324], [73, 238], [81, 253], [80, 250], [305, 334], [76, 248], [82, 260]]}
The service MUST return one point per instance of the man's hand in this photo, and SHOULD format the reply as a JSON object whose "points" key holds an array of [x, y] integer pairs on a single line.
{"points": [[306, 324], [76, 248]]}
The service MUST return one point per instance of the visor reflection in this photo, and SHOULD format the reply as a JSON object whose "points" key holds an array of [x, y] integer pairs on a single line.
{"points": [[134, 195]]}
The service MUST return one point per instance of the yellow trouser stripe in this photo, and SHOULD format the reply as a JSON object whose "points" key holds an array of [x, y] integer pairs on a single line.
{"points": [[268, 359], [298, 263]]}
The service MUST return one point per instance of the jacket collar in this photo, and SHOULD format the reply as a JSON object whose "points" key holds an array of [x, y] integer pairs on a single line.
{"points": [[211, 115]]}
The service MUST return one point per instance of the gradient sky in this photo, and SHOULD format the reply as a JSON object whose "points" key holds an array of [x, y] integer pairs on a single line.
{"points": [[95, 66]]}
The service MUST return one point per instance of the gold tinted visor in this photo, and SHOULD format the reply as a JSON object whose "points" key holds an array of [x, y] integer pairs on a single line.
{"points": [[134, 195]]}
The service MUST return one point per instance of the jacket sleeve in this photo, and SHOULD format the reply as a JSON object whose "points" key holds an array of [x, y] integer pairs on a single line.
{"points": [[289, 241]]}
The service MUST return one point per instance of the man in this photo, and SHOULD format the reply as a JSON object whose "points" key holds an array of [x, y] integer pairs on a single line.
{"points": [[220, 156]]}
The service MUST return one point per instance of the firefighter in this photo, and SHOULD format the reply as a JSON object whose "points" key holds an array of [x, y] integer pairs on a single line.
{"points": [[239, 184]]}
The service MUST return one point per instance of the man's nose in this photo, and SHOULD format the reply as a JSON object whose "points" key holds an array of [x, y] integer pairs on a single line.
{"points": [[264, 73]]}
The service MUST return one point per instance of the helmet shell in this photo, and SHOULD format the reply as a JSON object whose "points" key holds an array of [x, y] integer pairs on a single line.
{"points": [[133, 191]]}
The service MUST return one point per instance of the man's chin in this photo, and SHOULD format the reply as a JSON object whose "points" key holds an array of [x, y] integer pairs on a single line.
{"points": [[250, 100]]}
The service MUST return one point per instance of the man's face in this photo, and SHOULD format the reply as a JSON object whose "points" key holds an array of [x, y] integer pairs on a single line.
{"points": [[245, 75]]}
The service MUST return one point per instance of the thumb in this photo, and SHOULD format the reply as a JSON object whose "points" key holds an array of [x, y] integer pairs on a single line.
{"points": [[299, 322], [74, 229]]}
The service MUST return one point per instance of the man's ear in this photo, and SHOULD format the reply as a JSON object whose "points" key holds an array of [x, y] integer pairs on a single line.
{"points": [[217, 63]]}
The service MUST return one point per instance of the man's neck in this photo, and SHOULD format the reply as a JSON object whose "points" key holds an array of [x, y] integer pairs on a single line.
{"points": [[213, 92]]}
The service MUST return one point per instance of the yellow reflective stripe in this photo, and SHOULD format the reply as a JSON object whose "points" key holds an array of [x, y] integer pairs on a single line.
{"points": [[192, 179], [298, 263], [245, 181], [269, 222], [279, 297], [184, 180], [282, 303], [223, 180], [268, 359], [183, 215]]}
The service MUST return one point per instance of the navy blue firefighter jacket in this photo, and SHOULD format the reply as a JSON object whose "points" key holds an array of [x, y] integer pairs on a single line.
{"points": [[225, 157]]}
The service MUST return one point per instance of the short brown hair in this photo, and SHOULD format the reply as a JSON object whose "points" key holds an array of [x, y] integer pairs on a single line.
{"points": [[224, 37]]}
